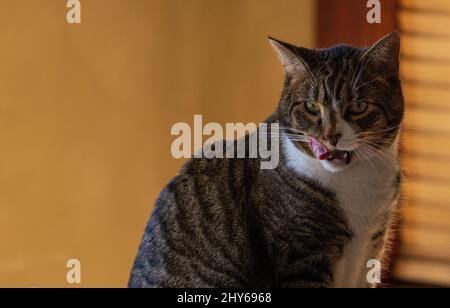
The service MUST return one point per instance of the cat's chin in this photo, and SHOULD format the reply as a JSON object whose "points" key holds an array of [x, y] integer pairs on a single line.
{"points": [[333, 167]]}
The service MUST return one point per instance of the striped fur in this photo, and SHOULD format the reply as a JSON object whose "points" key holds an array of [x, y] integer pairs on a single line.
{"points": [[228, 223]]}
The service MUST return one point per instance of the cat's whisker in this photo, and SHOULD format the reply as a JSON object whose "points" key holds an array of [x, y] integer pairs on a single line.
{"points": [[369, 155], [381, 131], [290, 136], [372, 137], [373, 146], [377, 141], [299, 141], [298, 137], [385, 136], [360, 71], [377, 153], [364, 84], [308, 68], [292, 129], [367, 158]]}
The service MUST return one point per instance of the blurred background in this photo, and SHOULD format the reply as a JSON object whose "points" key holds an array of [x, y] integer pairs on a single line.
{"points": [[86, 112]]}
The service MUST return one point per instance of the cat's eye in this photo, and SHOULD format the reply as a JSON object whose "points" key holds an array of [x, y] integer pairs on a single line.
{"points": [[313, 108], [358, 108]]}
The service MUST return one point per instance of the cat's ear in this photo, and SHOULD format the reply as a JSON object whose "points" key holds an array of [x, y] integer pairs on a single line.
{"points": [[386, 53], [293, 58]]}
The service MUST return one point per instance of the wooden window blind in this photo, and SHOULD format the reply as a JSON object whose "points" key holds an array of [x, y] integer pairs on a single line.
{"points": [[424, 254]]}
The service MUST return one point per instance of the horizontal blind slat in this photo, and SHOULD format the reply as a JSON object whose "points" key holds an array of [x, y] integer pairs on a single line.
{"points": [[423, 95], [433, 5], [422, 215], [424, 23], [427, 168], [429, 145], [426, 47], [430, 73], [424, 192], [426, 120], [423, 271], [423, 242]]}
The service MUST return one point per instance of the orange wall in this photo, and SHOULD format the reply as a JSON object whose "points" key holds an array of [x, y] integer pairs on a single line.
{"points": [[86, 112]]}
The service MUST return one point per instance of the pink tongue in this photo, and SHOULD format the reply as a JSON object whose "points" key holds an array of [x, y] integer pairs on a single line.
{"points": [[319, 149]]}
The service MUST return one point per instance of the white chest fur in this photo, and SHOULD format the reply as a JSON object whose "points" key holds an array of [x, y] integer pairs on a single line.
{"points": [[364, 191]]}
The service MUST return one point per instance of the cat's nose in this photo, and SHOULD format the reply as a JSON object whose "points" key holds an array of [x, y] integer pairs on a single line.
{"points": [[333, 139]]}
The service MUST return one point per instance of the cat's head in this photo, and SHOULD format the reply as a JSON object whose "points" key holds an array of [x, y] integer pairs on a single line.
{"points": [[344, 104]]}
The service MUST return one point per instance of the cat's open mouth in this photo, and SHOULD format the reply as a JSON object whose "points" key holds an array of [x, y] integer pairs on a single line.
{"points": [[340, 156], [335, 157]]}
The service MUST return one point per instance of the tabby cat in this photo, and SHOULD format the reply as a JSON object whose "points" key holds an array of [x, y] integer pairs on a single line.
{"points": [[316, 219]]}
